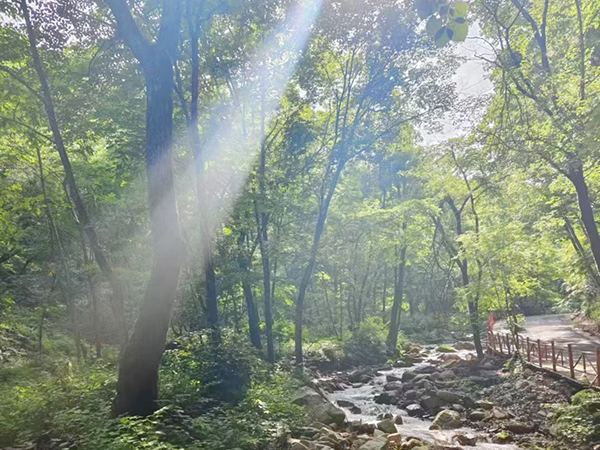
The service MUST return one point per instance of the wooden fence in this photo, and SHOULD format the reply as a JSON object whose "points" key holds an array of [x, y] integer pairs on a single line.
{"points": [[547, 355]]}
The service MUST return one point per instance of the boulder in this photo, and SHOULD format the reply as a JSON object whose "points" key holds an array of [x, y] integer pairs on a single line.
{"points": [[318, 407], [446, 420], [483, 404], [411, 444], [386, 398], [429, 402], [464, 345], [410, 395], [518, 427], [415, 410], [446, 349], [392, 386], [499, 414], [425, 368], [345, 404], [359, 376], [300, 445], [408, 375], [355, 410], [390, 378], [380, 443], [465, 439], [398, 420], [387, 426], [448, 397], [477, 415], [395, 439]]}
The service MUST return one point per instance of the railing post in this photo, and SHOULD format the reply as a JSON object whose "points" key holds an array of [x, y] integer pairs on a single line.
{"points": [[539, 348], [598, 366], [553, 357], [528, 351], [571, 366], [500, 344], [508, 344], [493, 341]]}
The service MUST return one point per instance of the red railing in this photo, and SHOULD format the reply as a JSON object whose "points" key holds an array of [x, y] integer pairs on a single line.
{"points": [[547, 355]]}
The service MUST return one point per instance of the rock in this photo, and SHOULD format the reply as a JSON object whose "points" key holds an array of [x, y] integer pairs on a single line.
{"points": [[395, 439], [408, 375], [446, 349], [415, 410], [450, 357], [378, 433], [400, 364], [448, 397], [429, 402], [458, 408], [422, 377], [355, 410], [386, 398], [411, 394], [390, 378], [477, 415], [518, 427], [318, 407], [464, 345], [375, 444], [398, 420], [392, 386], [484, 404], [345, 404], [387, 426], [411, 444], [499, 414], [465, 439], [359, 376], [425, 368], [383, 416], [446, 420], [446, 375], [300, 445]]}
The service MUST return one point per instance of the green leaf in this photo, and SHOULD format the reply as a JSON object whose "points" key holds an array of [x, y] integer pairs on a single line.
{"points": [[433, 26], [442, 37], [461, 8], [460, 32]]}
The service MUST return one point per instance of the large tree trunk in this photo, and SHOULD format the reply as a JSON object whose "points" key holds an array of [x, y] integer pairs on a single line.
{"points": [[253, 319], [392, 337], [585, 207], [80, 209], [137, 388], [312, 261]]}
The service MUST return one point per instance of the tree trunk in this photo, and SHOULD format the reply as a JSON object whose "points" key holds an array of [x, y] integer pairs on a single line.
{"points": [[137, 388], [585, 207], [253, 319], [312, 261], [80, 210], [392, 337]]}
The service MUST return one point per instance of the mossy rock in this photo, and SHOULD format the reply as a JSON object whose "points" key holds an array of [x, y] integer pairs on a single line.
{"points": [[446, 349]]}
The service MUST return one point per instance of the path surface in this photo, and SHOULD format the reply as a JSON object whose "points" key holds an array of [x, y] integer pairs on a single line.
{"points": [[560, 329]]}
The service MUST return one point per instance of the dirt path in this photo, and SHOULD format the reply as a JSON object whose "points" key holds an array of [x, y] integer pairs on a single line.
{"points": [[560, 329]]}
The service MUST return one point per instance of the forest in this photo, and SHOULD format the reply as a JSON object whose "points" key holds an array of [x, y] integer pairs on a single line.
{"points": [[206, 205]]}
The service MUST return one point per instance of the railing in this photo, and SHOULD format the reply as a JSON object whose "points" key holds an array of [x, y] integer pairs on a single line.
{"points": [[547, 355]]}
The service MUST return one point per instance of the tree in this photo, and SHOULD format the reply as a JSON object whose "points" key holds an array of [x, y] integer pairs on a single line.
{"points": [[137, 388]]}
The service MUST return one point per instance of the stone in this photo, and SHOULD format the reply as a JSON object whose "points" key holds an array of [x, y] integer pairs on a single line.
{"points": [[465, 439], [392, 386], [477, 416], [464, 345], [430, 402], [391, 377], [410, 395], [299, 446], [411, 444], [415, 410], [401, 364], [518, 427], [386, 398], [387, 426], [458, 408], [448, 397], [446, 375], [359, 376], [355, 410], [484, 404], [446, 420], [395, 439], [318, 407], [499, 414], [408, 375], [345, 404], [425, 368], [375, 444], [398, 420]]}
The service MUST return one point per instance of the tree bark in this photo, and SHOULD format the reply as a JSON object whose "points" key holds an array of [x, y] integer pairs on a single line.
{"points": [[312, 261], [80, 209], [253, 319], [137, 387], [392, 337], [585, 207]]}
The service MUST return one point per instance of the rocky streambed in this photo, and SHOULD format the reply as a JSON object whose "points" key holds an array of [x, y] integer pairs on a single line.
{"points": [[431, 399]]}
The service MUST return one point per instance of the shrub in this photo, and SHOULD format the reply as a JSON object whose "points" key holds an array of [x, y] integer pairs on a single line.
{"points": [[579, 421], [367, 343]]}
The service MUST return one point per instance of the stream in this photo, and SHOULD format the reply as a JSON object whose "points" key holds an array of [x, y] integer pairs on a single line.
{"points": [[363, 397]]}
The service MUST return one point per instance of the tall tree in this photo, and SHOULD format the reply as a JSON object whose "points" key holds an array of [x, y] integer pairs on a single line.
{"points": [[137, 387]]}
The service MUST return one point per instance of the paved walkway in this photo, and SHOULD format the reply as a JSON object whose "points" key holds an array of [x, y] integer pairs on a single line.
{"points": [[560, 329]]}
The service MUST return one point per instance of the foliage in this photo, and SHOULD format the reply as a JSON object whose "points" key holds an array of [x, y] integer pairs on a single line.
{"points": [[579, 421], [366, 345]]}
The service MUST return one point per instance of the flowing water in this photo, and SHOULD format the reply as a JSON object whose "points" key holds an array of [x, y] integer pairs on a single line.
{"points": [[363, 397]]}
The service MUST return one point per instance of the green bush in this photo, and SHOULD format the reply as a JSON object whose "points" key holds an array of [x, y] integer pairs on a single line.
{"points": [[579, 421], [200, 374], [366, 345]]}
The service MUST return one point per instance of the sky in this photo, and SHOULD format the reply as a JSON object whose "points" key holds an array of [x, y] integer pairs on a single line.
{"points": [[472, 80]]}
